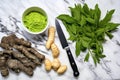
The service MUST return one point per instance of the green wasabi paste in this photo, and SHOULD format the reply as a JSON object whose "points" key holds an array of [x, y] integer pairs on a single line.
{"points": [[35, 21]]}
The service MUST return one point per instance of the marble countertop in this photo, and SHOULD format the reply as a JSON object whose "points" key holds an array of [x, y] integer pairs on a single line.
{"points": [[109, 67]]}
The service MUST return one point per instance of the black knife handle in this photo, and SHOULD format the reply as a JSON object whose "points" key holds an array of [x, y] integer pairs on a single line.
{"points": [[72, 62]]}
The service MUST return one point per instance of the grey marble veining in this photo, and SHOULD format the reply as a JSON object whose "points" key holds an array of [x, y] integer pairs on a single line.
{"points": [[109, 67]]}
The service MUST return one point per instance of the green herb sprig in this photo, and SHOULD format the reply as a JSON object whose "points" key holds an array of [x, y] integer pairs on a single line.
{"points": [[88, 30]]}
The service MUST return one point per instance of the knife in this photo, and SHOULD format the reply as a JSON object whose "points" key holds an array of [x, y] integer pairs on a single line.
{"points": [[66, 47]]}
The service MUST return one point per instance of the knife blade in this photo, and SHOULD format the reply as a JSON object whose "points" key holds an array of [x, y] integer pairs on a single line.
{"points": [[66, 47]]}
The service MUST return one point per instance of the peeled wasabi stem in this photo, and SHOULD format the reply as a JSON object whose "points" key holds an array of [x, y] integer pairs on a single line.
{"points": [[51, 37]]}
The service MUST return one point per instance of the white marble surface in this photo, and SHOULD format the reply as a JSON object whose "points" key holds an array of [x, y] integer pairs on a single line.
{"points": [[109, 67]]}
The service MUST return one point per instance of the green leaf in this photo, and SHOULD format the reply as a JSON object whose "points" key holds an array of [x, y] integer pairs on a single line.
{"points": [[86, 9], [85, 44], [90, 20], [78, 47], [95, 60], [72, 37], [72, 32], [87, 57], [98, 11], [67, 27], [85, 41], [109, 35], [111, 26], [88, 34], [83, 21], [66, 18], [102, 56], [99, 31], [88, 29], [101, 37], [92, 12], [97, 14], [70, 29], [73, 28], [107, 18], [100, 46], [76, 14]]}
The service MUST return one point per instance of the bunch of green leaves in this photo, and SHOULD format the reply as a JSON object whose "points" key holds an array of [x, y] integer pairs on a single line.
{"points": [[88, 30]]}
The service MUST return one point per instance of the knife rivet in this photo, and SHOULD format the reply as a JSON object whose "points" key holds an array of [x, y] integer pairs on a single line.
{"points": [[72, 63]]}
